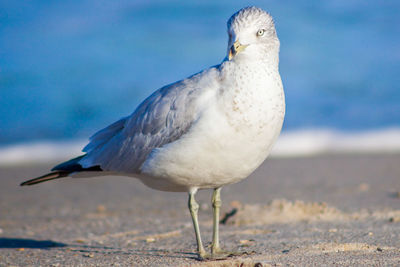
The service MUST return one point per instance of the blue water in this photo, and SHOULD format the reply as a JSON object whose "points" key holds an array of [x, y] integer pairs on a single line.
{"points": [[68, 68]]}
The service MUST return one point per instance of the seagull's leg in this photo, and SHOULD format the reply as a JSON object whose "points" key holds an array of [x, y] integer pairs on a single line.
{"points": [[216, 251], [216, 204], [194, 208]]}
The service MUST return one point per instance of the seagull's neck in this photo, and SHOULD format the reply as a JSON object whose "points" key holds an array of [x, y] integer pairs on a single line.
{"points": [[272, 59], [266, 60]]}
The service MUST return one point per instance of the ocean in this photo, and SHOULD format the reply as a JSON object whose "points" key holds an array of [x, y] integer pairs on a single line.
{"points": [[69, 68]]}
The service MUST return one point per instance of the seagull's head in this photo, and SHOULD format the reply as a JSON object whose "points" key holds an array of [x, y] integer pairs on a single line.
{"points": [[252, 34]]}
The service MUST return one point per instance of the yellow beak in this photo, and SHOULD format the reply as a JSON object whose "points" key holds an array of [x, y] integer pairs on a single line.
{"points": [[236, 49]]}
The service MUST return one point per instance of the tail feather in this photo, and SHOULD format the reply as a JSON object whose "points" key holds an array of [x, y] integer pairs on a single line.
{"points": [[46, 177]]}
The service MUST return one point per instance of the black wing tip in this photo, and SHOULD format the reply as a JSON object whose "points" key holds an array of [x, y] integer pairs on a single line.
{"points": [[58, 174], [69, 164], [29, 182], [46, 177], [63, 170], [73, 165], [25, 183]]}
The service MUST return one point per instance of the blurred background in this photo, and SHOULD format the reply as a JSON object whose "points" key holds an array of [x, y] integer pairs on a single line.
{"points": [[69, 68]]}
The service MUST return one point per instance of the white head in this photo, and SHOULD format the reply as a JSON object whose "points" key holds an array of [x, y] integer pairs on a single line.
{"points": [[252, 35]]}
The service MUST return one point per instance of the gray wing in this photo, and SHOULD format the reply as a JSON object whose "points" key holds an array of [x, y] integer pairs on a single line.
{"points": [[162, 118]]}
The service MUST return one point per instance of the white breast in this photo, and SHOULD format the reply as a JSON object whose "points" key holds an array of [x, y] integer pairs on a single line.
{"points": [[233, 136]]}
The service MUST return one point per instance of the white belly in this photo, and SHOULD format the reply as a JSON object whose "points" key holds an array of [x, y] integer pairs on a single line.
{"points": [[224, 146]]}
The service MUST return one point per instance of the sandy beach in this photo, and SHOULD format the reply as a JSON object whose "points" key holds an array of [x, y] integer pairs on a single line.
{"points": [[327, 210]]}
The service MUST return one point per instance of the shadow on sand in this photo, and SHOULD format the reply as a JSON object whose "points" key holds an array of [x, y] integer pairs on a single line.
{"points": [[28, 243], [48, 244]]}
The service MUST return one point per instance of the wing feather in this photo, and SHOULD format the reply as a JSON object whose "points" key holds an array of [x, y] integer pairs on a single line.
{"points": [[162, 118], [103, 136]]}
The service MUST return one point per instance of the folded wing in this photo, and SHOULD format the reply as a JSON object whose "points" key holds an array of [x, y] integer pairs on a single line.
{"points": [[161, 119]]}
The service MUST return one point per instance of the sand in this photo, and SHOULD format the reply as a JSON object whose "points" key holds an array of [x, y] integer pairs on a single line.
{"points": [[329, 210]]}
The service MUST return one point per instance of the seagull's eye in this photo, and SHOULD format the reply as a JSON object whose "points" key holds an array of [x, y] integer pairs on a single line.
{"points": [[260, 32]]}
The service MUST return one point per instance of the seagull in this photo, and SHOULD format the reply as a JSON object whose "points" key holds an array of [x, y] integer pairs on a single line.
{"points": [[209, 130]]}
